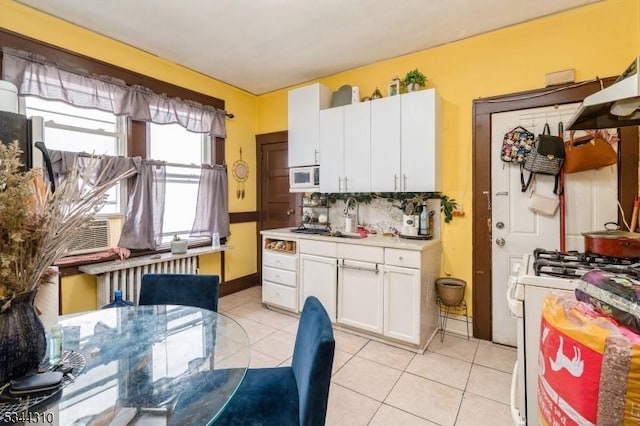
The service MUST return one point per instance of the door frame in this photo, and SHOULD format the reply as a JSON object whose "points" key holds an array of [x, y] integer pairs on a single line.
{"points": [[261, 140], [481, 176]]}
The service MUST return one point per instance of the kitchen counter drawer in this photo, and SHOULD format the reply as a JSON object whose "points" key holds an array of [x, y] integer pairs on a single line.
{"points": [[279, 276], [405, 258], [319, 248], [361, 253], [279, 295], [282, 261]]}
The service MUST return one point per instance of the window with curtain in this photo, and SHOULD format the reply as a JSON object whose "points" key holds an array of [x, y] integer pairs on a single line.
{"points": [[69, 128], [89, 113], [181, 149]]}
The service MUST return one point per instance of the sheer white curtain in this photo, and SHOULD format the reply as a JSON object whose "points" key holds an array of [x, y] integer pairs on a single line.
{"points": [[212, 210], [142, 228], [33, 75]]}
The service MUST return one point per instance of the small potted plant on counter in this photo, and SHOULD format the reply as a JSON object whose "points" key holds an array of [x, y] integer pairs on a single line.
{"points": [[414, 80]]}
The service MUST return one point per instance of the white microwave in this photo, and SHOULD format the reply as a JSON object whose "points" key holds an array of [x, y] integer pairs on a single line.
{"points": [[304, 179]]}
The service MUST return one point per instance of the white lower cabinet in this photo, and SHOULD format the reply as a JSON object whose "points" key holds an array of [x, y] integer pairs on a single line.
{"points": [[360, 295], [279, 295], [280, 274], [318, 277], [402, 303], [386, 292]]}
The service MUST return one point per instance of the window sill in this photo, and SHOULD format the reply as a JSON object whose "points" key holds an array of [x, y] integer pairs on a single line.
{"points": [[71, 265], [116, 265]]}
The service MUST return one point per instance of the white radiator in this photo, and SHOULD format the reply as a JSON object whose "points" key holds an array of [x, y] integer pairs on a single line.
{"points": [[129, 276]]}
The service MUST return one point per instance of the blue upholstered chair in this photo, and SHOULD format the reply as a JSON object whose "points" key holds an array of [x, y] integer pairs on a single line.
{"points": [[295, 395], [200, 291]]}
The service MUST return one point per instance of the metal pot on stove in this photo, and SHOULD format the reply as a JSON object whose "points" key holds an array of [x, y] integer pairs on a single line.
{"points": [[612, 242]]}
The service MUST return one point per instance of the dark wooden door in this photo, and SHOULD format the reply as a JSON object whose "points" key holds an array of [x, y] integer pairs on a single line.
{"points": [[277, 206]]}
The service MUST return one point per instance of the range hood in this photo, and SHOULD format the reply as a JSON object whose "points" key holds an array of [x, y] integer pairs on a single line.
{"points": [[615, 106]]}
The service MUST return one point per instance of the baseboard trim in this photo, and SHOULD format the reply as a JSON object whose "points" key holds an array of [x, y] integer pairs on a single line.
{"points": [[239, 284]]}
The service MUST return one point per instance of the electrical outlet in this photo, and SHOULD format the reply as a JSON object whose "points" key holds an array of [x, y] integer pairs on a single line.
{"points": [[459, 210]]}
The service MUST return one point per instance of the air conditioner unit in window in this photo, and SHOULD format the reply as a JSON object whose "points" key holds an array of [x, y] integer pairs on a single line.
{"points": [[98, 236]]}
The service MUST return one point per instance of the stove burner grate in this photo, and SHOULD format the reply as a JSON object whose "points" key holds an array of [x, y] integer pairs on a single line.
{"points": [[573, 264]]}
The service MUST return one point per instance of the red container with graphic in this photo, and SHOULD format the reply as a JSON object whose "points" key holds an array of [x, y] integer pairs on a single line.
{"points": [[589, 367]]}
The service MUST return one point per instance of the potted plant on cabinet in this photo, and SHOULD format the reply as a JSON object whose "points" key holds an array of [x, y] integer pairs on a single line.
{"points": [[414, 80]]}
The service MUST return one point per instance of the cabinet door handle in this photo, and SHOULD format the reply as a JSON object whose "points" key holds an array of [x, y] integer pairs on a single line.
{"points": [[339, 184], [405, 181], [346, 186], [395, 183], [357, 268], [315, 156]]}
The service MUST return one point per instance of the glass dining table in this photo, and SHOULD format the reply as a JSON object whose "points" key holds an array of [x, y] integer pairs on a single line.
{"points": [[167, 364]]}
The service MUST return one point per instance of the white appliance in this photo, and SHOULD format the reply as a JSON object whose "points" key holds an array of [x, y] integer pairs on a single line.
{"points": [[8, 97], [304, 179], [615, 106], [525, 296], [29, 132]]}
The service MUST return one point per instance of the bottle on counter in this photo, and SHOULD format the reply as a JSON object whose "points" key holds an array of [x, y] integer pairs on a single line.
{"points": [[118, 301], [423, 228], [55, 345]]}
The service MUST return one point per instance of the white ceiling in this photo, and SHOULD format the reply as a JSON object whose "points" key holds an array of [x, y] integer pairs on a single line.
{"points": [[265, 45]]}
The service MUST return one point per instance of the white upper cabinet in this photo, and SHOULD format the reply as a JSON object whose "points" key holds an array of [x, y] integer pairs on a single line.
{"points": [[391, 144], [357, 147], [332, 149], [406, 143], [420, 141], [345, 162], [385, 144], [305, 104]]}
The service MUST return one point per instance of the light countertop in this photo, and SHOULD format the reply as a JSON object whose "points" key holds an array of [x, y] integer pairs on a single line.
{"points": [[371, 240]]}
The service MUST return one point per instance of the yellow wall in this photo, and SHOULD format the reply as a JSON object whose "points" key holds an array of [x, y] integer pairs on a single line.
{"points": [[597, 40], [78, 293], [242, 260], [241, 130]]}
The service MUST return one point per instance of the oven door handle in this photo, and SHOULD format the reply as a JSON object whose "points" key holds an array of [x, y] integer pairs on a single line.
{"points": [[515, 411], [515, 306]]}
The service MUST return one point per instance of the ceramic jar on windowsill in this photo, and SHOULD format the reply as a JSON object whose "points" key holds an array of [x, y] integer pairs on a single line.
{"points": [[178, 245]]}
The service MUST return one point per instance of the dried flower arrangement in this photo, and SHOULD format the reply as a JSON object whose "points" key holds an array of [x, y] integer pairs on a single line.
{"points": [[36, 225]]}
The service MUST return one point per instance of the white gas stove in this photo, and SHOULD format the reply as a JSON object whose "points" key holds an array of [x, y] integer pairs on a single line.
{"points": [[525, 296], [542, 272]]}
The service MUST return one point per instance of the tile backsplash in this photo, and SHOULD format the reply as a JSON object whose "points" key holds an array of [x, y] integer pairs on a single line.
{"points": [[379, 215]]}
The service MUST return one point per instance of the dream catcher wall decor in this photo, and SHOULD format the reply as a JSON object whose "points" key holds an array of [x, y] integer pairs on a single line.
{"points": [[240, 170]]}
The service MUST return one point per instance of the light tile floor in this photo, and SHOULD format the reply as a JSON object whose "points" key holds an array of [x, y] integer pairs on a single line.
{"points": [[456, 382]]}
